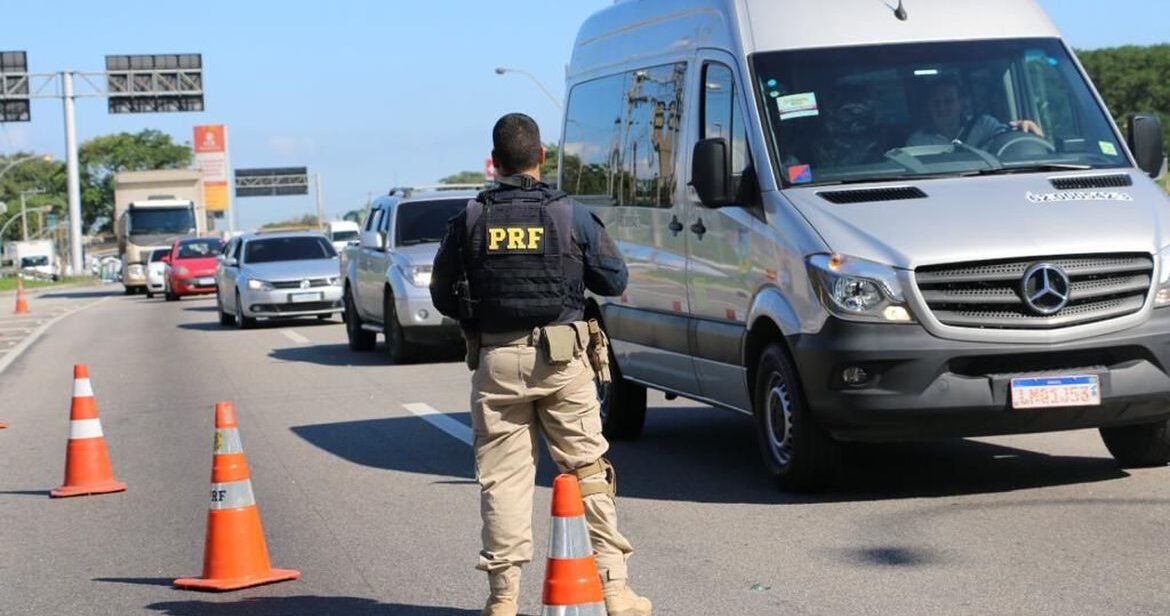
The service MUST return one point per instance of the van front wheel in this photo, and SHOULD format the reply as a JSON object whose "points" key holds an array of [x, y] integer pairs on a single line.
{"points": [[623, 405], [1138, 446], [800, 454]]}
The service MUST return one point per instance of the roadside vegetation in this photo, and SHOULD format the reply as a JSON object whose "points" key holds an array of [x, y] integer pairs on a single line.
{"points": [[9, 283]]}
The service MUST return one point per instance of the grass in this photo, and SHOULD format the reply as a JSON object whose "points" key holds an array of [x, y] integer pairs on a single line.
{"points": [[8, 284]]}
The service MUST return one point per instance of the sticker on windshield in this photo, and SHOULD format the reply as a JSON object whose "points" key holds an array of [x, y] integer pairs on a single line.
{"points": [[800, 174], [801, 105], [1107, 148]]}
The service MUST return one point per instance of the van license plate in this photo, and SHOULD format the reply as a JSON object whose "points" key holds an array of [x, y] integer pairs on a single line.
{"points": [[297, 298], [1055, 391]]}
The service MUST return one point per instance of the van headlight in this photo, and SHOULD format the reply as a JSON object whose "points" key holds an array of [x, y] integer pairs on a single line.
{"points": [[418, 275], [1162, 298], [259, 285], [859, 290]]}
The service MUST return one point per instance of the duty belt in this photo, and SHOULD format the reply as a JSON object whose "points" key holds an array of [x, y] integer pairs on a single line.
{"points": [[525, 338]]}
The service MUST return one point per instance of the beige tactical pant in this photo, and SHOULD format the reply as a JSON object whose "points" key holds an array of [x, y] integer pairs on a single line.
{"points": [[515, 393]]}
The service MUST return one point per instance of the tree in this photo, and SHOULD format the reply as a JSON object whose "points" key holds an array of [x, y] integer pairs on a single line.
{"points": [[102, 157], [548, 171], [48, 176], [306, 221], [465, 177], [1132, 79]]}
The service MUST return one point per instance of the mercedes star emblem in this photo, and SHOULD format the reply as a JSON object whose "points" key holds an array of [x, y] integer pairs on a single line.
{"points": [[1045, 289]]}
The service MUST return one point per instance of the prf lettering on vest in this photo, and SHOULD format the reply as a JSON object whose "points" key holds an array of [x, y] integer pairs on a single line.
{"points": [[504, 239]]}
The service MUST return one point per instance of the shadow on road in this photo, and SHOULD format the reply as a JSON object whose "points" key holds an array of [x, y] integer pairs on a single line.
{"points": [[211, 308], [76, 294], [210, 326], [340, 355], [304, 605], [405, 444], [25, 492], [142, 581], [716, 453]]}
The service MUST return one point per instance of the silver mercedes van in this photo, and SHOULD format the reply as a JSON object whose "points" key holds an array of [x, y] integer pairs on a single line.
{"points": [[864, 220]]}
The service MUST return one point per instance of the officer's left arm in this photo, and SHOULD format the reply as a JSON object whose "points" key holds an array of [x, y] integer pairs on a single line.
{"points": [[605, 269], [448, 269]]}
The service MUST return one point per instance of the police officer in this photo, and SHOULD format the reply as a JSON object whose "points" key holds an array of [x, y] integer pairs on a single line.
{"points": [[513, 268]]}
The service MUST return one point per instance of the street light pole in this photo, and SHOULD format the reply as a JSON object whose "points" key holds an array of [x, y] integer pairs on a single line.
{"points": [[6, 169], [500, 70], [71, 168]]}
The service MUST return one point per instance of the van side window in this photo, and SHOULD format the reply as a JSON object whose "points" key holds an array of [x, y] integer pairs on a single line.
{"points": [[723, 117], [622, 136]]}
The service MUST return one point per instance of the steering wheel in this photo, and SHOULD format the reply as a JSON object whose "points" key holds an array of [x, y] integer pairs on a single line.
{"points": [[1018, 145]]}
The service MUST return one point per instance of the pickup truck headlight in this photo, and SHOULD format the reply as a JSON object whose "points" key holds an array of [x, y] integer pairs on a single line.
{"points": [[418, 275], [859, 290], [259, 285], [1162, 298]]}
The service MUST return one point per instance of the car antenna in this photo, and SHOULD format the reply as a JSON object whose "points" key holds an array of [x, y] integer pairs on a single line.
{"points": [[899, 11]]}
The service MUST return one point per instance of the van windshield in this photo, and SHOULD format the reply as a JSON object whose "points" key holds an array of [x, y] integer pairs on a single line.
{"points": [[888, 112]]}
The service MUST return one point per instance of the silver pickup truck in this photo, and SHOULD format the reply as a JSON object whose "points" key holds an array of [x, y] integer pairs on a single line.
{"points": [[388, 272]]}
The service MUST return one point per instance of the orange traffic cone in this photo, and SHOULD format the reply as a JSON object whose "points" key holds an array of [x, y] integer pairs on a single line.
{"points": [[234, 555], [21, 303], [571, 582], [87, 463], [3, 425]]}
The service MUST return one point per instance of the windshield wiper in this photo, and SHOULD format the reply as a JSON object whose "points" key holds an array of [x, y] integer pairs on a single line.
{"points": [[1033, 168]]}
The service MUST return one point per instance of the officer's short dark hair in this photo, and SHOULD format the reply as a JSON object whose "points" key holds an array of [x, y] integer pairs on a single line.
{"points": [[516, 143]]}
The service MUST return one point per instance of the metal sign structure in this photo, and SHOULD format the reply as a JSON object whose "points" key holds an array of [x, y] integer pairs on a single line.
{"points": [[155, 83], [134, 84], [272, 182], [14, 93]]}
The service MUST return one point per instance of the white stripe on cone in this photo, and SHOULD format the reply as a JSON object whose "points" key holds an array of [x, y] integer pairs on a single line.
{"points": [[569, 539], [82, 388], [85, 428], [588, 609]]}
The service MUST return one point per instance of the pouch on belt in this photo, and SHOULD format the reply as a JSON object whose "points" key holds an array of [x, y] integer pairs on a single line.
{"points": [[559, 343]]}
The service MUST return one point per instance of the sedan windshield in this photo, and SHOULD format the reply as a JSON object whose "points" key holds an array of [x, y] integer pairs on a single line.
{"points": [[300, 248], [889, 112], [200, 249], [421, 222]]}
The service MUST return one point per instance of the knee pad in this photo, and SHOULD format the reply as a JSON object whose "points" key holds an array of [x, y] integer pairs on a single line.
{"points": [[600, 467]]}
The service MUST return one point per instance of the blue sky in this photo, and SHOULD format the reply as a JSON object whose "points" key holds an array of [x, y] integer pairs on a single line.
{"points": [[369, 94]]}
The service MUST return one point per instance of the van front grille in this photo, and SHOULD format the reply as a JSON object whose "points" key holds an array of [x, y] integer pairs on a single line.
{"points": [[990, 294]]}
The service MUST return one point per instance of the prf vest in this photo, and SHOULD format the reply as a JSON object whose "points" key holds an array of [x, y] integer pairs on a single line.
{"points": [[524, 268]]}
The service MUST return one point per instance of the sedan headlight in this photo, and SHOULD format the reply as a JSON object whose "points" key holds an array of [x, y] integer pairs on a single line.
{"points": [[182, 271], [259, 285], [418, 275], [1162, 299], [859, 290]]}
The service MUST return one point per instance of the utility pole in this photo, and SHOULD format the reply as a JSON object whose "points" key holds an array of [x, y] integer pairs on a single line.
{"points": [[317, 190], [74, 177]]}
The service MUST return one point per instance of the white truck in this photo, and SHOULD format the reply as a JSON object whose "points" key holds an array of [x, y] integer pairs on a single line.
{"points": [[33, 258], [152, 209]]}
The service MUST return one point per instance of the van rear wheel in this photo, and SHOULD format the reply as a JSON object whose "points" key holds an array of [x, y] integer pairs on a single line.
{"points": [[1139, 446], [799, 453]]}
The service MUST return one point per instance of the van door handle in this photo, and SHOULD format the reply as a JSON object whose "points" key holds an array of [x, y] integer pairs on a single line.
{"points": [[699, 228], [675, 226]]}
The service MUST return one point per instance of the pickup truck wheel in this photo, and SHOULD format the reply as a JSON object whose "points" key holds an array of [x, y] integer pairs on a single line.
{"points": [[800, 454], [149, 294], [1139, 446], [623, 405], [243, 321], [359, 339], [397, 348], [224, 318]]}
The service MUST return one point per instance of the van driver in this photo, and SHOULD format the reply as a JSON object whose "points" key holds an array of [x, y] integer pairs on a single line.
{"points": [[946, 124]]}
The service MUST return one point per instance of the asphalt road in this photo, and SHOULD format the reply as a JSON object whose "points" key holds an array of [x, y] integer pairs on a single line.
{"points": [[377, 507]]}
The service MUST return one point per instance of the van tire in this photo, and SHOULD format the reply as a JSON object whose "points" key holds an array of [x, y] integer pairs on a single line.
{"points": [[623, 405], [359, 339], [1139, 446], [398, 349], [805, 457]]}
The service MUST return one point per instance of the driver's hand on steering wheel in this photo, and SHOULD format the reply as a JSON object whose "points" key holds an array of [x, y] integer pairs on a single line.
{"points": [[1028, 126]]}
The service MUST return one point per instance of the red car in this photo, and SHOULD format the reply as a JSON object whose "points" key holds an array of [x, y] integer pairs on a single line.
{"points": [[191, 267]]}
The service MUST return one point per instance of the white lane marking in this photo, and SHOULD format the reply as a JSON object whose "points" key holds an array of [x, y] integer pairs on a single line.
{"points": [[440, 420], [295, 337], [15, 351]]}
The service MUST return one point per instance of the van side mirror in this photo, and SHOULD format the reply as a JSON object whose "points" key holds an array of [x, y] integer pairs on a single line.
{"points": [[709, 172], [373, 239], [1144, 136]]}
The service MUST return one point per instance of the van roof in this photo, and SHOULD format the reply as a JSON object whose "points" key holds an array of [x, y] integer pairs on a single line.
{"points": [[642, 29]]}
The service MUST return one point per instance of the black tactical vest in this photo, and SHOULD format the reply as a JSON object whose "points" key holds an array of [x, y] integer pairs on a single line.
{"points": [[524, 268]]}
